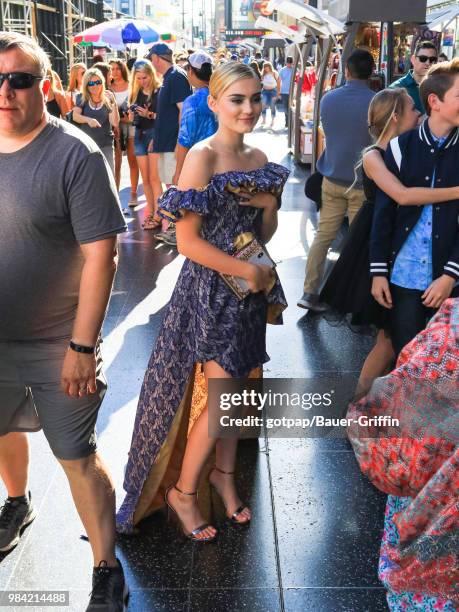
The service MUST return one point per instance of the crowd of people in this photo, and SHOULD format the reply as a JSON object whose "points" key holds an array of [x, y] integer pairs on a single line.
{"points": [[398, 275], [123, 106], [217, 198]]}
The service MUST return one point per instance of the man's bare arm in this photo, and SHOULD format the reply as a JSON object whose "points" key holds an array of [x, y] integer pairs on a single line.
{"points": [[100, 261]]}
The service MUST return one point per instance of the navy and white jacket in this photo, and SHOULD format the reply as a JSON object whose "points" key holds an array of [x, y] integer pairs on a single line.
{"points": [[414, 158]]}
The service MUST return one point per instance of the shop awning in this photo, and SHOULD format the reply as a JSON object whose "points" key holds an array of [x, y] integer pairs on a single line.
{"points": [[319, 21], [250, 46], [274, 41], [439, 20], [284, 31]]}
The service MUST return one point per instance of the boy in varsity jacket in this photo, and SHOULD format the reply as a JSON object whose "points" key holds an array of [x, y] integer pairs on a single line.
{"points": [[414, 250]]}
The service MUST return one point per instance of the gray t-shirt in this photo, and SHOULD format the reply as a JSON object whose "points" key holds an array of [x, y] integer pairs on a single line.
{"points": [[103, 135], [56, 193]]}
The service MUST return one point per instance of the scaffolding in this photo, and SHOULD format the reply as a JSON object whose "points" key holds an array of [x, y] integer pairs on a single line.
{"points": [[53, 23]]}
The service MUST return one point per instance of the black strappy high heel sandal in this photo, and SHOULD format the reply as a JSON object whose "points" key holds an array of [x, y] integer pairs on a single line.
{"points": [[191, 535], [238, 511]]}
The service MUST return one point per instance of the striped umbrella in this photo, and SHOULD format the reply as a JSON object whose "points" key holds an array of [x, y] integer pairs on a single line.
{"points": [[118, 32]]}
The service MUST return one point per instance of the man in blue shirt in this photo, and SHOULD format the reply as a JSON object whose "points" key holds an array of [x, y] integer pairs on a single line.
{"points": [[174, 90], [285, 75], [245, 59], [197, 120], [344, 115]]}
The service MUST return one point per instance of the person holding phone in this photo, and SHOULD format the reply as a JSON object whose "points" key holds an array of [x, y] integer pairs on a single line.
{"points": [[143, 95], [119, 86]]}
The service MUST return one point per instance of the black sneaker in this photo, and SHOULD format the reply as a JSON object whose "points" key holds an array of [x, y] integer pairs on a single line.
{"points": [[110, 593], [15, 515]]}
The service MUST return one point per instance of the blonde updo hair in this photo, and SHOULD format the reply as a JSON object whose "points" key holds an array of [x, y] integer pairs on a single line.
{"points": [[383, 108], [227, 74]]}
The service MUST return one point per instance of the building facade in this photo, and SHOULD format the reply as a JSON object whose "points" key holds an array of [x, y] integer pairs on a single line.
{"points": [[53, 24]]}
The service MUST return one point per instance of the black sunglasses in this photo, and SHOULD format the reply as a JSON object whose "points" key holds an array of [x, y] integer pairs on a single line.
{"points": [[19, 80], [426, 58], [92, 83]]}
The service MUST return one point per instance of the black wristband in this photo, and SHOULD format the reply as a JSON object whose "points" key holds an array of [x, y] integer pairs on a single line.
{"points": [[79, 348]]}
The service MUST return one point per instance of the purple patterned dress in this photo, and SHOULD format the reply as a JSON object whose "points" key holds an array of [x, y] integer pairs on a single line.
{"points": [[204, 320]]}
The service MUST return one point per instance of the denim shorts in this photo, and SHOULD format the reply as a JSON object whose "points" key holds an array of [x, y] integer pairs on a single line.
{"points": [[128, 130], [142, 141]]}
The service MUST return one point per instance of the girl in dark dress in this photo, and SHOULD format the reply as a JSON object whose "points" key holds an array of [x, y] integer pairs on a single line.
{"points": [[348, 290], [228, 193]]}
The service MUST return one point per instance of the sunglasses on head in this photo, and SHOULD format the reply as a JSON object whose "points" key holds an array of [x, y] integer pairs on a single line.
{"points": [[19, 80], [92, 83], [426, 58]]}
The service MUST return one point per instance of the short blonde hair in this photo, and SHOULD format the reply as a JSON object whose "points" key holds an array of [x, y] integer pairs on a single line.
{"points": [[29, 46], [227, 74]]}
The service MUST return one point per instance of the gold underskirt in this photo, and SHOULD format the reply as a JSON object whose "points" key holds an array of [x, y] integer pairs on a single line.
{"points": [[166, 469]]}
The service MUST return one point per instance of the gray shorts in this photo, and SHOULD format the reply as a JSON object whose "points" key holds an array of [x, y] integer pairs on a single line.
{"points": [[31, 398]]}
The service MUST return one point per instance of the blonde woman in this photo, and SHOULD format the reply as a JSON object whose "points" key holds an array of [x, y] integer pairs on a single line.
{"points": [[143, 93], [228, 193], [348, 289], [97, 114], [75, 81], [120, 87], [56, 101], [270, 92]]}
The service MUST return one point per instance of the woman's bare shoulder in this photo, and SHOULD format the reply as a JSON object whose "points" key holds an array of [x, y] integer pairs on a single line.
{"points": [[258, 157], [198, 167], [372, 160], [204, 152]]}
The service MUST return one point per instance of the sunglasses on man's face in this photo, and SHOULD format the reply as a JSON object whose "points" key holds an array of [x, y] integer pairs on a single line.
{"points": [[19, 80], [92, 83], [426, 58]]}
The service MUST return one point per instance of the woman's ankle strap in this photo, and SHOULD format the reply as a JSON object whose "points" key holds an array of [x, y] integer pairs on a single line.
{"points": [[183, 492], [222, 471]]}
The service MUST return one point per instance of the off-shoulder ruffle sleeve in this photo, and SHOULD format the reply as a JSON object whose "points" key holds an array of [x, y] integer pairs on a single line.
{"points": [[173, 201], [270, 178]]}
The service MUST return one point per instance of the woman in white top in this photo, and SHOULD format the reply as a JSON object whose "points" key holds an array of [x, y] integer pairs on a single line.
{"points": [[270, 92], [120, 87]]}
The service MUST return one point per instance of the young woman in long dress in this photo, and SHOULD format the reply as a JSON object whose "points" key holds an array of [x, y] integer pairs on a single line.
{"points": [[228, 194]]}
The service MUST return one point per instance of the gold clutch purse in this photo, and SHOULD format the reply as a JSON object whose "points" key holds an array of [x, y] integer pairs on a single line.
{"points": [[255, 253]]}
